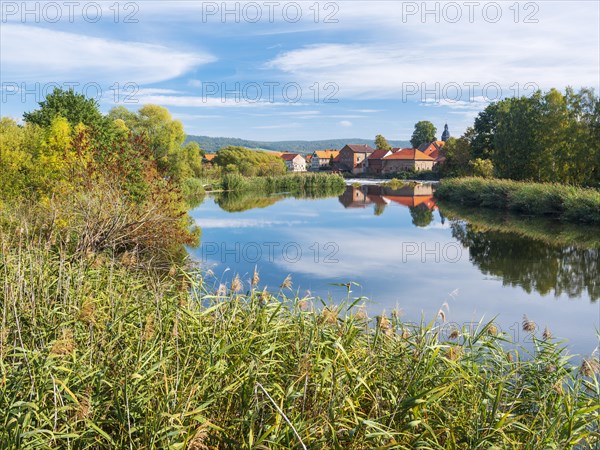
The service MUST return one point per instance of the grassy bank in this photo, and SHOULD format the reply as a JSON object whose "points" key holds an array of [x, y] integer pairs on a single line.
{"points": [[98, 353], [568, 203], [296, 183]]}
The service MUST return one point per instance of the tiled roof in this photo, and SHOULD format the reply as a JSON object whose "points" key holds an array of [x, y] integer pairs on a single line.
{"points": [[435, 146], [360, 148], [289, 156], [326, 154], [409, 154], [378, 154], [209, 156]]}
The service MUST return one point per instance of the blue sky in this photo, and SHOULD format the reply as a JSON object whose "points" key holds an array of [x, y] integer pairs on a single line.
{"points": [[378, 67]]}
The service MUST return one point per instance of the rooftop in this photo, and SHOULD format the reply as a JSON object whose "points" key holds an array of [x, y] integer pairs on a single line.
{"points": [[409, 154]]}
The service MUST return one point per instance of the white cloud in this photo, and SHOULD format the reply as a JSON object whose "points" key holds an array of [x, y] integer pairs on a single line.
{"points": [[37, 54], [386, 60], [345, 123]]}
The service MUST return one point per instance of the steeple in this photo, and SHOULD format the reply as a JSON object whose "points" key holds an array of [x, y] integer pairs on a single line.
{"points": [[446, 133]]}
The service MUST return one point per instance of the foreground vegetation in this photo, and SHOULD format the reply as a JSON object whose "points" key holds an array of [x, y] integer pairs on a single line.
{"points": [[568, 203], [96, 353]]}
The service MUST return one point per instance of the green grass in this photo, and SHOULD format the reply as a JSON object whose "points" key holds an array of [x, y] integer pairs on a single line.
{"points": [[568, 203], [95, 354]]}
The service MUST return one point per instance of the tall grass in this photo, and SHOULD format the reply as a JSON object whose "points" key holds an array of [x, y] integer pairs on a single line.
{"points": [[94, 354], [297, 183], [569, 203]]}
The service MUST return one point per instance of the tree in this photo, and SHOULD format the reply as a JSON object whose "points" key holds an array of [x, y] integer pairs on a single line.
{"points": [[484, 128], [424, 133], [164, 134], [75, 108], [14, 160], [482, 168], [458, 154], [381, 143], [546, 137]]}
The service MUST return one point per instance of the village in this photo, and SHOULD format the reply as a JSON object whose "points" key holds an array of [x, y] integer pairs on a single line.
{"points": [[362, 159]]}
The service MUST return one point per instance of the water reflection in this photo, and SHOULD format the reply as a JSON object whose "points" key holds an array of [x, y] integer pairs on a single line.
{"points": [[565, 259], [417, 197], [534, 254], [508, 265]]}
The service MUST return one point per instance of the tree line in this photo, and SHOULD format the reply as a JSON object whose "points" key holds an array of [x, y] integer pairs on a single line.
{"points": [[548, 137]]}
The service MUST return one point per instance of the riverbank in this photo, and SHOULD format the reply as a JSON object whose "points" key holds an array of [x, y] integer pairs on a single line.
{"points": [[567, 203], [99, 351]]}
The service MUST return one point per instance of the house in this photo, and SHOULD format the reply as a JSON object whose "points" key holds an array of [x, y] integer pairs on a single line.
{"points": [[322, 159], [434, 149], [353, 158], [294, 162], [407, 159], [375, 161], [308, 161], [208, 158]]}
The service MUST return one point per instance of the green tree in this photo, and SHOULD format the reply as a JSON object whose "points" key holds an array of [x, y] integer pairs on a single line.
{"points": [[482, 168], [424, 133], [381, 143], [458, 154], [484, 129], [164, 135], [14, 159], [546, 137], [75, 108]]}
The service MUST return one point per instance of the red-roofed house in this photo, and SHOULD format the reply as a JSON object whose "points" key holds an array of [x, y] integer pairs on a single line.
{"points": [[434, 150], [407, 159], [294, 162], [375, 161], [353, 158]]}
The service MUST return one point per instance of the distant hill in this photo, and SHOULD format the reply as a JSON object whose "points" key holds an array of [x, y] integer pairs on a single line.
{"points": [[212, 144]]}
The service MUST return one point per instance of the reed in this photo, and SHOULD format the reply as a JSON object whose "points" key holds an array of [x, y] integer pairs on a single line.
{"points": [[95, 353], [297, 183]]}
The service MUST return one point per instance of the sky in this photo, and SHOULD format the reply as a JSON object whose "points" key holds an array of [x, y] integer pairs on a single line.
{"points": [[279, 70]]}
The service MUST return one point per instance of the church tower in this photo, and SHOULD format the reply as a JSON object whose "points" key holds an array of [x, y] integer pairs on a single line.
{"points": [[446, 133]]}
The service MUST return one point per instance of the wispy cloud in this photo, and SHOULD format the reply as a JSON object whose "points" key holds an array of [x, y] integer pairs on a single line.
{"points": [[42, 55]]}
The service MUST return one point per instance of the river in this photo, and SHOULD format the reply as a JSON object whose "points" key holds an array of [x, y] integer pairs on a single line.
{"points": [[409, 254]]}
